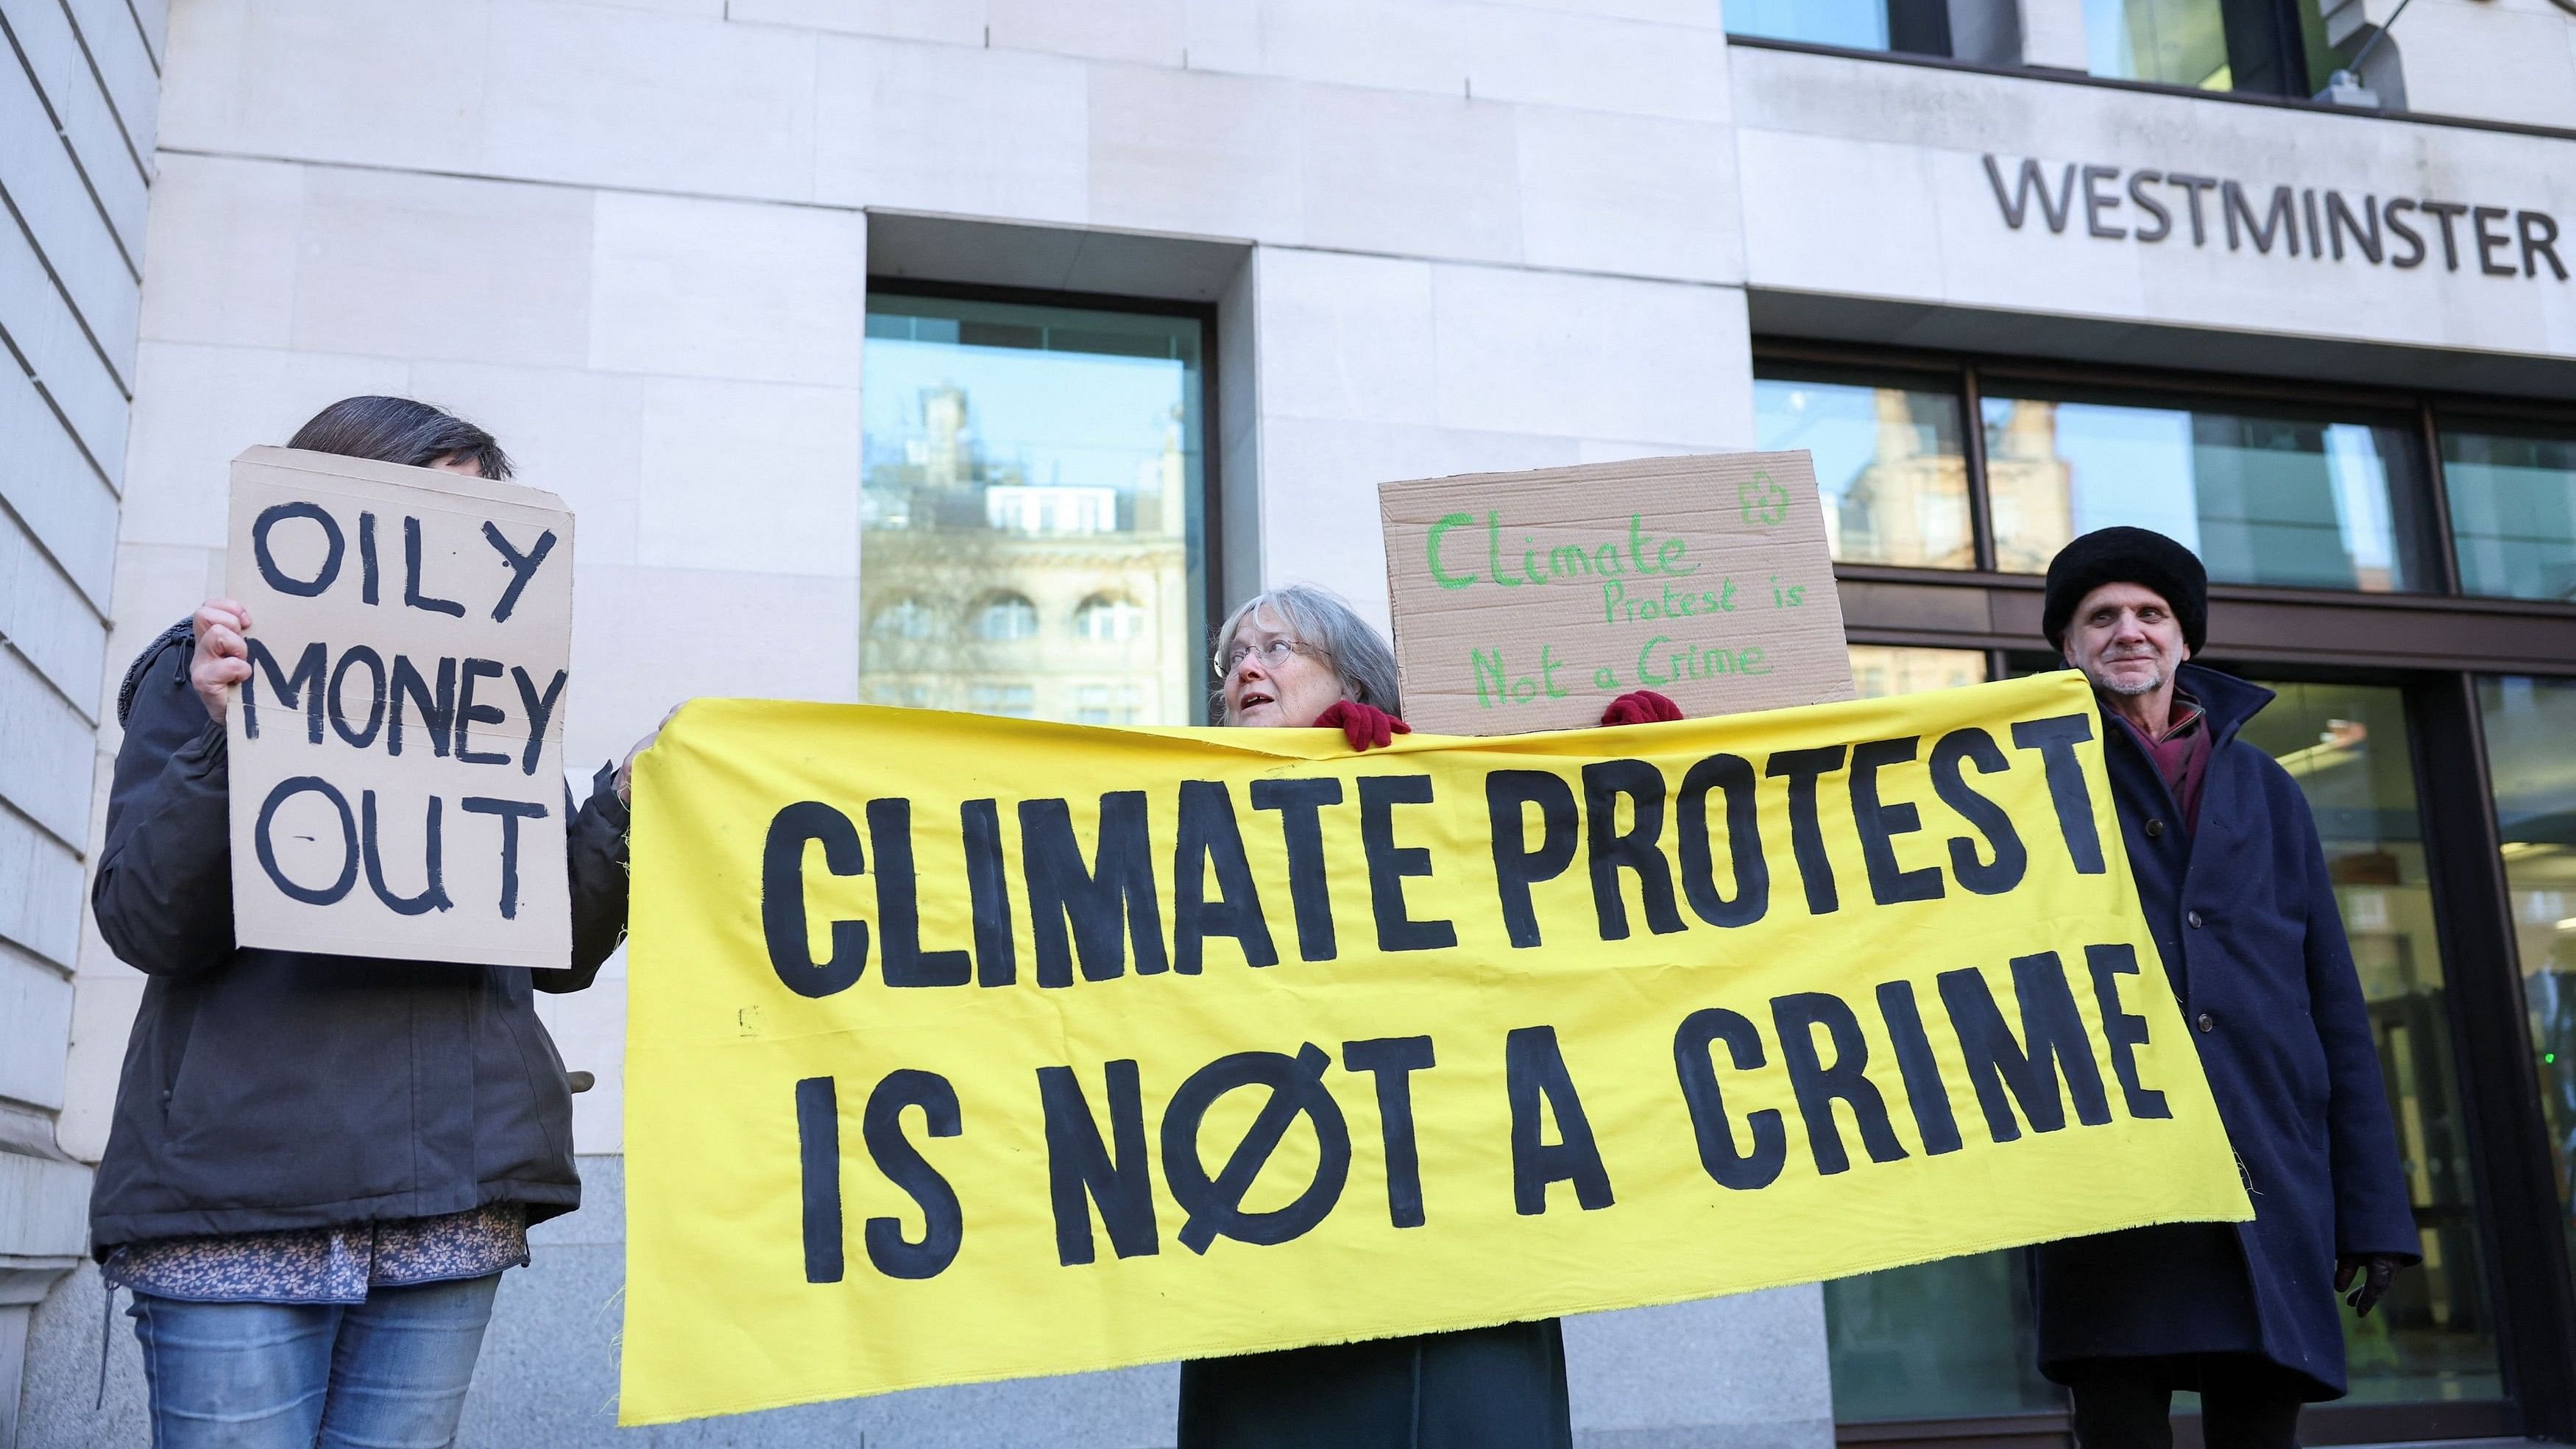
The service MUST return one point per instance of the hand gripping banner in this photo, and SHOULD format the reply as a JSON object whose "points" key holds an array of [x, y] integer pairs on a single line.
{"points": [[965, 1048]]}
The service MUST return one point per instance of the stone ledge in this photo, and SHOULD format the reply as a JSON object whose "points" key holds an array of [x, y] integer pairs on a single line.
{"points": [[44, 1207]]}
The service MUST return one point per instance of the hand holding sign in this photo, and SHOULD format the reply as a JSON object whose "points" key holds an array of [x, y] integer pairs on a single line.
{"points": [[625, 778], [395, 722], [223, 657]]}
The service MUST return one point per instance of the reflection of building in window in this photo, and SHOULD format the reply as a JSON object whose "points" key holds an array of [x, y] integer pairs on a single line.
{"points": [[1051, 510], [953, 531], [1107, 704], [1891, 463], [1910, 505], [2265, 498], [1006, 617], [2029, 488], [907, 617], [1106, 620], [1018, 701], [1879, 670]]}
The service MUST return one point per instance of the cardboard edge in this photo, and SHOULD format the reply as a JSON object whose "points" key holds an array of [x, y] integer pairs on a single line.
{"points": [[432, 480], [1622, 470]]}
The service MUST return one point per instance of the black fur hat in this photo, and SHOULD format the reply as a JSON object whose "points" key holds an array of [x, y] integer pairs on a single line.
{"points": [[2127, 556]]}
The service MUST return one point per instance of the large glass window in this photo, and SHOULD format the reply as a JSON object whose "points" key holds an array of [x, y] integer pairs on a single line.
{"points": [[1889, 460], [1879, 670], [1944, 1340], [1032, 529], [2267, 495], [1917, 26], [2531, 754], [2347, 746], [2513, 508], [2217, 45], [2178, 42]]}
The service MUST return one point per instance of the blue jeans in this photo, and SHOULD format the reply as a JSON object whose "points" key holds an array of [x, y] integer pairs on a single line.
{"points": [[388, 1373]]}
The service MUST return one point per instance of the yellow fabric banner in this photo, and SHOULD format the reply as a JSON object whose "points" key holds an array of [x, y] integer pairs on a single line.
{"points": [[964, 1048]]}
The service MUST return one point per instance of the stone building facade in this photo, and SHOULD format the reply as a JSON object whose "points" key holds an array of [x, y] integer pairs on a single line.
{"points": [[638, 240]]}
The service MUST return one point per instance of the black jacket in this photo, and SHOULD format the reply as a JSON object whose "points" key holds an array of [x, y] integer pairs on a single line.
{"points": [[2244, 912], [274, 1089]]}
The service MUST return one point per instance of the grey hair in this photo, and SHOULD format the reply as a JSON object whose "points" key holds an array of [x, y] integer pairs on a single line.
{"points": [[1322, 621]]}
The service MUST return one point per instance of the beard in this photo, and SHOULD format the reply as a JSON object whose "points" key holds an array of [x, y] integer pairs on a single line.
{"points": [[2128, 688]]}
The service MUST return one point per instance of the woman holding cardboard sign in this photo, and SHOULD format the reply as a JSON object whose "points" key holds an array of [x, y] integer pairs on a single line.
{"points": [[1292, 658], [319, 1165]]}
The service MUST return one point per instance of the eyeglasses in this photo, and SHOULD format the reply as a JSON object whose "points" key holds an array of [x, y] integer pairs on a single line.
{"points": [[1273, 654]]}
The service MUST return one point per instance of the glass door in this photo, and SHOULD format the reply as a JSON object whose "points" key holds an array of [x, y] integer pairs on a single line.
{"points": [[1953, 1339], [2351, 751], [2531, 756]]}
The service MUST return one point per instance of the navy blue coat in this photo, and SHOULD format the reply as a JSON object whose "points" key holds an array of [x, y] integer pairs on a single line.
{"points": [[2245, 918]]}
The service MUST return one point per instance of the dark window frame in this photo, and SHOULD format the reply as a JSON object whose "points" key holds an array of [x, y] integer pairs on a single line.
{"points": [[2432, 541], [2053, 76], [2432, 646], [2475, 414], [1211, 486]]}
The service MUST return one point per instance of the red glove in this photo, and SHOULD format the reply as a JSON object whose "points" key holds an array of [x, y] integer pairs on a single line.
{"points": [[1642, 706], [1363, 724]]}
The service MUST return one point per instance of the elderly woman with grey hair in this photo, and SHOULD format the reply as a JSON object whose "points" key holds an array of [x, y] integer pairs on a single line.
{"points": [[1291, 658]]}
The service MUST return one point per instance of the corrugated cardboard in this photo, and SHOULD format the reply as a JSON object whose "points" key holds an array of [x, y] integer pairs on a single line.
{"points": [[357, 885], [1551, 592]]}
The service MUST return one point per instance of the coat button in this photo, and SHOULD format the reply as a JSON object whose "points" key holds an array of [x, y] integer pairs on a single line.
{"points": [[2207, 1022], [2155, 828], [2194, 919]]}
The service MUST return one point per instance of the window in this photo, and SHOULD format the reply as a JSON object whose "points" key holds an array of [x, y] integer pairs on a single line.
{"points": [[1017, 701], [1939, 1340], [905, 617], [1027, 463], [1106, 704], [2513, 509], [1006, 617], [1103, 619], [1889, 463], [2277, 47], [2328, 502], [1879, 670], [2529, 726], [2271, 494], [1921, 27]]}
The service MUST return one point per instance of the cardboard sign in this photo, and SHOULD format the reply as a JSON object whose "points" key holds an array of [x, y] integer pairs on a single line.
{"points": [[396, 754], [1528, 601], [964, 1048]]}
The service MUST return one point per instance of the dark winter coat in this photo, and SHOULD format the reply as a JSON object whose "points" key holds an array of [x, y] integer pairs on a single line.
{"points": [[1483, 1388], [2246, 920], [274, 1089]]}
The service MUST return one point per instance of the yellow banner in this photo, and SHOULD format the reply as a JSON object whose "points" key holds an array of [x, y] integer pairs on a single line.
{"points": [[964, 1048]]}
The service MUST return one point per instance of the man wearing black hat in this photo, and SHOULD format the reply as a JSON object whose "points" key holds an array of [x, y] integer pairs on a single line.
{"points": [[2236, 894]]}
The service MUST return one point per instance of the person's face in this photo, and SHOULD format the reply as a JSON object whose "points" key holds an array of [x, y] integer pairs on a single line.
{"points": [[1276, 681], [463, 463], [2125, 639]]}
